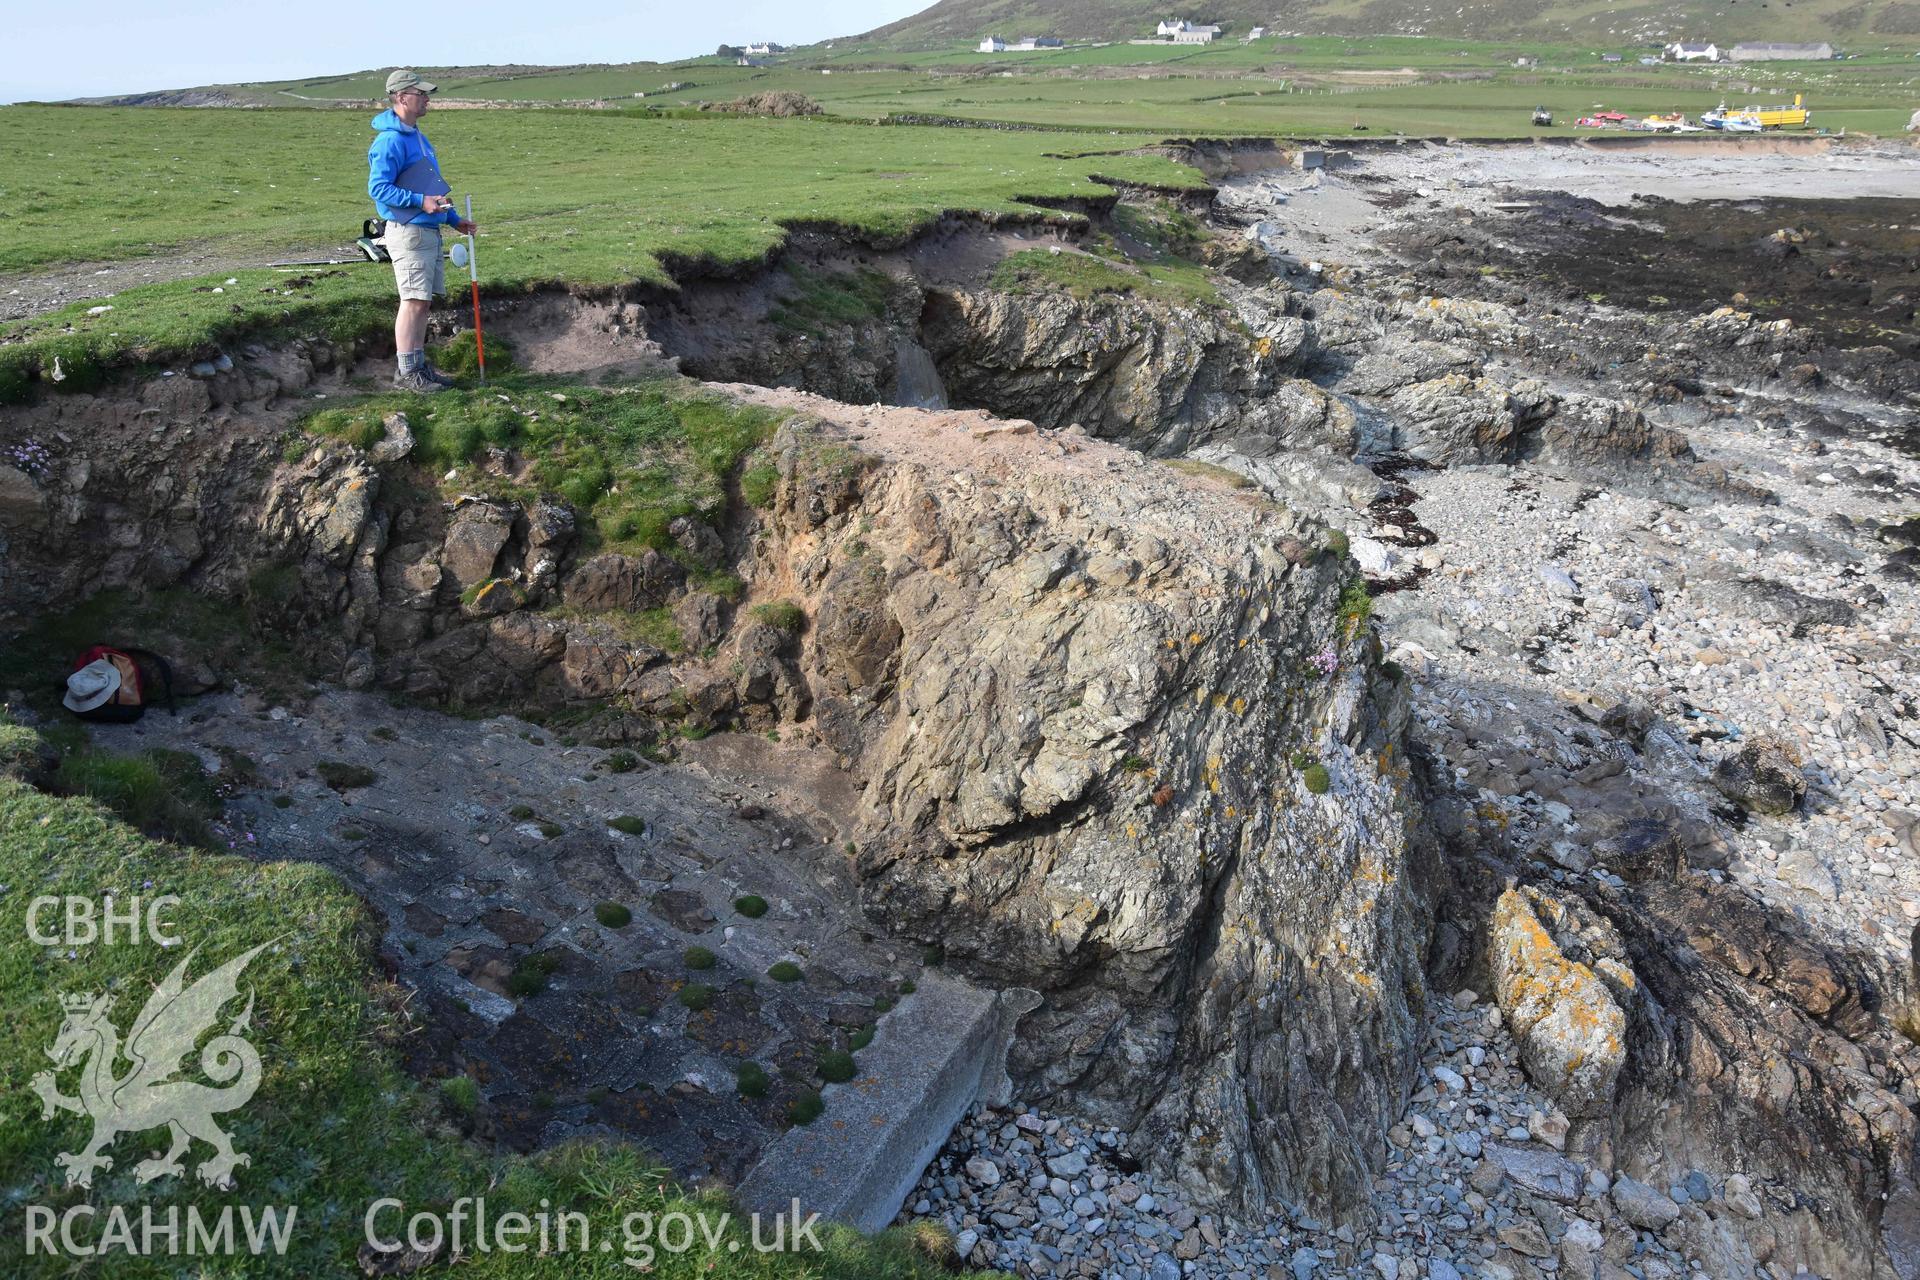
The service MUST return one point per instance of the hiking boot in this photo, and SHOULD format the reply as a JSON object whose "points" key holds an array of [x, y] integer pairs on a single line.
{"points": [[434, 375], [417, 381]]}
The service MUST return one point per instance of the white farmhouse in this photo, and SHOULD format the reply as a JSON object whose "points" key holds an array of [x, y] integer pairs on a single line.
{"points": [[993, 44], [1681, 51], [1180, 31]]}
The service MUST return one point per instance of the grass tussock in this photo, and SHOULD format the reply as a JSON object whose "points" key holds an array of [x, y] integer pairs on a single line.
{"points": [[814, 300], [1355, 606], [752, 1079], [782, 615], [1210, 471], [631, 460], [460, 355]]}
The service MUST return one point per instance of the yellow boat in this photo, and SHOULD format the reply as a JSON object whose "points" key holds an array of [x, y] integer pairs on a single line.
{"points": [[1779, 116]]}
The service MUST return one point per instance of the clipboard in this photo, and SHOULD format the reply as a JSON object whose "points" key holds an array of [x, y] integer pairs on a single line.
{"points": [[422, 177]]}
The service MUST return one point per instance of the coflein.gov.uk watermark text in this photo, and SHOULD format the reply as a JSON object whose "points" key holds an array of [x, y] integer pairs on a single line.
{"points": [[467, 1226]]}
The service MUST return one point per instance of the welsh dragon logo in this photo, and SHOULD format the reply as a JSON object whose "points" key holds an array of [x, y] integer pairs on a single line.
{"points": [[147, 1095]]}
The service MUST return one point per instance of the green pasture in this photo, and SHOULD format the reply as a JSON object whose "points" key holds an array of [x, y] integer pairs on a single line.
{"points": [[1293, 86], [599, 199], [556, 85], [845, 78], [588, 199], [1490, 108]]}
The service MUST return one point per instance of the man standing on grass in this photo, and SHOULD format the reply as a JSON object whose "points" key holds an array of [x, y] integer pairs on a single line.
{"points": [[403, 177]]}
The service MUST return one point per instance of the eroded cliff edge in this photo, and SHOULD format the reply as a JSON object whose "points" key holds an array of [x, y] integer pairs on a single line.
{"points": [[1112, 734], [1700, 1031]]}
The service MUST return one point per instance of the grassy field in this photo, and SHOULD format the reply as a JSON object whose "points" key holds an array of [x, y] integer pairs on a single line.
{"points": [[584, 198], [599, 199], [1383, 88], [1160, 87], [1328, 87], [336, 1124]]}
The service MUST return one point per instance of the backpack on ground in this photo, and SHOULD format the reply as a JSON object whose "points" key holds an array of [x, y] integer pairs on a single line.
{"points": [[115, 686]]}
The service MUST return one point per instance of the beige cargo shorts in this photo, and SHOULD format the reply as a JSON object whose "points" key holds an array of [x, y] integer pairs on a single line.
{"points": [[419, 268]]}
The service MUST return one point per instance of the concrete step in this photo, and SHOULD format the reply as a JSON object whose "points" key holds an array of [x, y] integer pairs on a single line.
{"points": [[936, 1053]]}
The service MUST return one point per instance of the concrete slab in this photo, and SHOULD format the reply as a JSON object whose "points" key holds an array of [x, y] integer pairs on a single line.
{"points": [[934, 1057]]}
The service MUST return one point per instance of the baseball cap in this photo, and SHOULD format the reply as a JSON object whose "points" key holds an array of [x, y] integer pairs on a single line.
{"points": [[404, 79]]}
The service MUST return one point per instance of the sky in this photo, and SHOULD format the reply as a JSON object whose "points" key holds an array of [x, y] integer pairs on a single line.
{"points": [[54, 51]]}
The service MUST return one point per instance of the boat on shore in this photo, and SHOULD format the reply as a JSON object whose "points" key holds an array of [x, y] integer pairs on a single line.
{"points": [[1756, 119]]}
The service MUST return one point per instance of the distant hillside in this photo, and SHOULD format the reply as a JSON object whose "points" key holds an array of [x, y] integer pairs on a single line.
{"points": [[1595, 21]]}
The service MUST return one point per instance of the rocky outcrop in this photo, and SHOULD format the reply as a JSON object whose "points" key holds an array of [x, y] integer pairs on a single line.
{"points": [[1064, 674], [1455, 418], [1432, 364], [1386, 369], [1755, 1045], [1750, 1048], [817, 325], [1159, 376], [1060, 674]]}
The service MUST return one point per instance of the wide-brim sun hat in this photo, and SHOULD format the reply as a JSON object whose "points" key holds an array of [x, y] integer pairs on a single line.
{"points": [[91, 686]]}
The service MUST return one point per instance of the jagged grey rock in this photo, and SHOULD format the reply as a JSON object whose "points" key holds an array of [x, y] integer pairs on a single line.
{"points": [[1001, 817], [1762, 777]]}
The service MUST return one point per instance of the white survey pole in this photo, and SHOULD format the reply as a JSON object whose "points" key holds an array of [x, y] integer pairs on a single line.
{"points": [[473, 274]]}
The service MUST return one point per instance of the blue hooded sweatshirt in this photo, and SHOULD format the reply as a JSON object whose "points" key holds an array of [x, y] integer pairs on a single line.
{"points": [[397, 144]]}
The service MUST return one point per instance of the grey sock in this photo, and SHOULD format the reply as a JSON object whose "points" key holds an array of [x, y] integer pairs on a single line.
{"points": [[412, 360]]}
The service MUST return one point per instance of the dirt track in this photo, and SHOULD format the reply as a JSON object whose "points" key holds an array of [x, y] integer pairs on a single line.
{"points": [[33, 292]]}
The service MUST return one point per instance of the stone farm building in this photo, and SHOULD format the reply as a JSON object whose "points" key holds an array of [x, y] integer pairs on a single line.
{"points": [[1770, 51], [1681, 51]]}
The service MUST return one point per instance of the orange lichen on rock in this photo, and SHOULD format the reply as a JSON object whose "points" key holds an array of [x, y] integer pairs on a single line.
{"points": [[1571, 1032]]}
